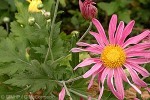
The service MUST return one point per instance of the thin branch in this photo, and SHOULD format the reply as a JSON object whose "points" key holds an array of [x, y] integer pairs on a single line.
{"points": [[81, 95], [74, 79], [86, 32], [68, 93], [51, 33], [24, 61]]}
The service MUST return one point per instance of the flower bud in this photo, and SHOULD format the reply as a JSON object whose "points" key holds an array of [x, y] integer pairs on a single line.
{"points": [[40, 6], [75, 33], [6, 19], [27, 53], [31, 20], [47, 15], [88, 10]]}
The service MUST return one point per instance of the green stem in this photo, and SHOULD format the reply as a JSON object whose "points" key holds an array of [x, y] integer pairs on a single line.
{"points": [[74, 79], [7, 28], [68, 93], [51, 33], [38, 25], [86, 32], [24, 61], [79, 94]]}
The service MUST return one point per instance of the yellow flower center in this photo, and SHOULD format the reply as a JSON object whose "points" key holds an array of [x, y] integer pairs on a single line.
{"points": [[33, 5], [113, 56]]}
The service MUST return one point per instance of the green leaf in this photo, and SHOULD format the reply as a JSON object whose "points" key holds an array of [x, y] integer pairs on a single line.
{"points": [[40, 50], [3, 33], [110, 8], [12, 68], [7, 51], [107, 95], [125, 15], [35, 77], [63, 3], [61, 72], [74, 56], [22, 15]]}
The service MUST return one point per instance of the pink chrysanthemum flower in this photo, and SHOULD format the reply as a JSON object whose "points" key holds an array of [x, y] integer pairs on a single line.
{"points": [[88, 10], [115, 56]]}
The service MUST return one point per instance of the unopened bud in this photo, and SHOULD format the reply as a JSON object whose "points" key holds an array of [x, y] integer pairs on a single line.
{"points": [[31, 20], [40, 6], [88, 10], [6, 19], [47, 15], [75, 33], [27, 53]]}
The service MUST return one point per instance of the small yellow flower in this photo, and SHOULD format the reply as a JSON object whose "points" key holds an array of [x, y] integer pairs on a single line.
{"points": [[33, 5]]}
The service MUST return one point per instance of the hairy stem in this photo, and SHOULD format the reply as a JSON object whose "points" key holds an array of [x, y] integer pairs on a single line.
{"points": [[7, 28], [51, 33], [38, 25], [86, 32], [79, 94], [74, 79], [68, 93]]}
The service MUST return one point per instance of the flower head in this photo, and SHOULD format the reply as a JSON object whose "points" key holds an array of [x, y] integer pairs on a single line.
{"points": [[33, 5], [88, 10], [115, 56]]}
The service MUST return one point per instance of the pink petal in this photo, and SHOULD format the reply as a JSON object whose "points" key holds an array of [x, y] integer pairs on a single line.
{"points": [[101, 92], [104, 74], [127, 31], [83, 44], [135, 76], [103, 77], [136, 39], [119, 84], [98, 38], [77, 50], [145, 54], [81, 5], [112, 28], [86, 62], [91, 81], [88, 45], [138, 60], [100, 73], [124, 77], [92, 70], [95, 50], [119, 32], [100, 30], [62, 94], [139, 69], [148, 89], [138, 47], [89, 98], [93, 76], [110, 83]]}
